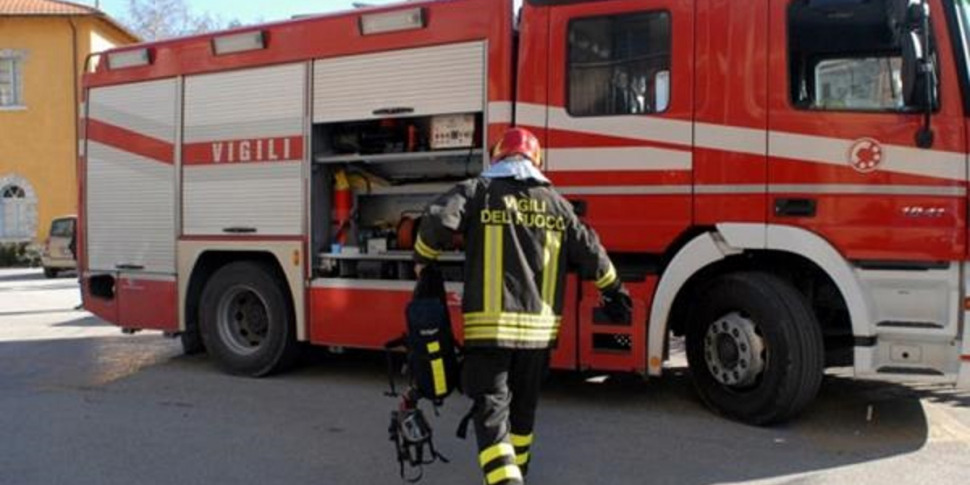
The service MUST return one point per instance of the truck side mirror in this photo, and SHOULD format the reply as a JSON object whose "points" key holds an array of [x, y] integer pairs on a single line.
{"points": [[920, 84], [918, 74]]}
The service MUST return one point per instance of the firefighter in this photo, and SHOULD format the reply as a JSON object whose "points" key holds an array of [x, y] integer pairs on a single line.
{"points": [[520, 236]]}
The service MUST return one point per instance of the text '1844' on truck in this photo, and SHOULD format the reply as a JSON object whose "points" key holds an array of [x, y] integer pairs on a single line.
{"points": [[782, 182]]}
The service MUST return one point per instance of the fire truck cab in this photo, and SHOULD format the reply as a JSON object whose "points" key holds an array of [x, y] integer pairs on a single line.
{"points": [[783, 183]]}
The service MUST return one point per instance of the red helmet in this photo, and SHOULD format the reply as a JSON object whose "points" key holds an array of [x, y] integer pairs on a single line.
{"points": [[518, 141]]}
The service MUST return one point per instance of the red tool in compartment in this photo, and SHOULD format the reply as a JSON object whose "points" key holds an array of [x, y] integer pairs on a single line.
{"points": [[343, 204], [621, 347]]}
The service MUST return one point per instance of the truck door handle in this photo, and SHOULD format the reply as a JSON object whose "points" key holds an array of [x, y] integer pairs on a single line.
{"points": [[399, 110], [795, 207], [129, 267], [239, 230]]}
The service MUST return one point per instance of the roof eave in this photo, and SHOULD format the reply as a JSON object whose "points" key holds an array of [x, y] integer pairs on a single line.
{"points": [[97, 15]]}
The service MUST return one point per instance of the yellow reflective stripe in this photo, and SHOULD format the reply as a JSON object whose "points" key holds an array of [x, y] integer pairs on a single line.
{"points": [[512, 335], [519, 440], [434, 347], [608, 279], [511, 331], [522, 317], [512, 317], [550, 270], [522, 459], [426, 251], [493, 287], [495, 451], [511, 325], [508, 472], [440, 383]]}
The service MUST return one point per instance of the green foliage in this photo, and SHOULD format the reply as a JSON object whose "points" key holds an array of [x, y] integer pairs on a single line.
{"points": [[19, 255]]}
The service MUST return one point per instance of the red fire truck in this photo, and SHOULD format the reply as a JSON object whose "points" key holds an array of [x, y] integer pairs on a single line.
{"points": [[781, 182]]}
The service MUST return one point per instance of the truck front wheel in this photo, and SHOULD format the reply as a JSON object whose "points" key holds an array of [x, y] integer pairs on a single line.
{"points": [[246, 321], [754, 348]]}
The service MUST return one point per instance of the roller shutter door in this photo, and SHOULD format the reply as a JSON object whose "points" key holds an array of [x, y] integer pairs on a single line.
{"points": [[413, 82], [130, 191], [243, 152]]}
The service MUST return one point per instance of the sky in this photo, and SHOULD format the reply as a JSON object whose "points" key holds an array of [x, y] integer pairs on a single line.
{"points": [[247, 10]]}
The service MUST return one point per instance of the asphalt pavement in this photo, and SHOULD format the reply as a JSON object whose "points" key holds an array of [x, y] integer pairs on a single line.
{"points": [[80, 403]]}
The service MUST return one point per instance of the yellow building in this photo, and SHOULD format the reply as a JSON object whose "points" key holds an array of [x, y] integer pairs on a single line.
{"points": [[43, 48]]}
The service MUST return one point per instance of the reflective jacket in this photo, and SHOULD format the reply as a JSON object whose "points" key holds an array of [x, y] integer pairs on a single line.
{"points": [[520, 237]]}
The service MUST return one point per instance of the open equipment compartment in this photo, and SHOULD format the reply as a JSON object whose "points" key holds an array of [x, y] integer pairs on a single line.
{"points": [[391, 131]]}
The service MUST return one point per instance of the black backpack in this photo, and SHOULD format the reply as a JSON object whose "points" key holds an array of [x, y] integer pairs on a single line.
{"points": [[431, 352], [432, 369]]}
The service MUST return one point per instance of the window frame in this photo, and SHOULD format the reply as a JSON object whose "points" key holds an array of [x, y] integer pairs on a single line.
{"points": [[567, 65], [17, 79], [17, 196], [860, 54], [13, 191], [70, 222]]}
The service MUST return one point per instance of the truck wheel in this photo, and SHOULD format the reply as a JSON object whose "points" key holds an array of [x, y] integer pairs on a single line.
{"points": [[191, 341], [754, 348], [246, 320], [50, 273]]}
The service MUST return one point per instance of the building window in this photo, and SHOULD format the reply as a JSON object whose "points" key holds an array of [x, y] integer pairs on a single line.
{"points": [[11, 81], [18, 210], [619, 64]]}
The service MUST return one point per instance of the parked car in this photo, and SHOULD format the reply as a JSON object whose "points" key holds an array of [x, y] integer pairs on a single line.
{"points": [[61, 246]]}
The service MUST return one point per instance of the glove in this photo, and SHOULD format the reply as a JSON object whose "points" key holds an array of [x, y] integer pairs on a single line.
{"points": [[618, 305]]}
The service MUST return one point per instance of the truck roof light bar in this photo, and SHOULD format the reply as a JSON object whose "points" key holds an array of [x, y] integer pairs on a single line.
{"points": [[394, 21], [235, 43], [129, 58]]}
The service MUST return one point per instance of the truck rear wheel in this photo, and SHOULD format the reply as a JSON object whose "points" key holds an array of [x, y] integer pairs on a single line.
{"points": [[191, 341], [754, 348], [246, 320]]}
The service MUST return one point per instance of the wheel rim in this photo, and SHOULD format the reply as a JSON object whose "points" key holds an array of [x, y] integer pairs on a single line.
{"points": [[243, 321], [734, 351]]}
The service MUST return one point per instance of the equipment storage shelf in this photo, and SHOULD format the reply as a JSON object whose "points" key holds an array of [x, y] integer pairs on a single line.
{"points": [[385, 266], [372, 178], [404, 149], [448, 257], [431, 156]]}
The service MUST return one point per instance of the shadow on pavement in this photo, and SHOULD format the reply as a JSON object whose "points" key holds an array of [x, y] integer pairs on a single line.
{"points": [[660, 431], [34, 274], [36, 312], [51, 285], [21, 274], [79, 363], [86, 321], [325, 422]]}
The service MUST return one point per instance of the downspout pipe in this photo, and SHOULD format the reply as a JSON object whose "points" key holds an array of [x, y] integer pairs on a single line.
{"points": [[75, 87]]}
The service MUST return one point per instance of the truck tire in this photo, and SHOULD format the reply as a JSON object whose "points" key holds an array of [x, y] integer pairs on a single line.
{"points": [[50, 273], [191, 341], [246, 320], [754, 348]]}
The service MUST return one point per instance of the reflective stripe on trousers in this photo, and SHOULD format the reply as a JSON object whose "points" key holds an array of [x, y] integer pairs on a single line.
{"points": [[498, 464], [521, 444]]}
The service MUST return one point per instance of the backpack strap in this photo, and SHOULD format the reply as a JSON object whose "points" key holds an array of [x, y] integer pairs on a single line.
{"points": [[392, 344], [462, 431]]}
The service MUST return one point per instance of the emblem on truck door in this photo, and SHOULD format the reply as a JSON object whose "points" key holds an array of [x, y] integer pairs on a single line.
{"points": [[865, 155]]}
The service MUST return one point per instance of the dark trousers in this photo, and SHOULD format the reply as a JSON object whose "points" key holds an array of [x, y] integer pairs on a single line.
{"points": [[504, 384]]}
